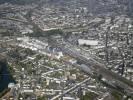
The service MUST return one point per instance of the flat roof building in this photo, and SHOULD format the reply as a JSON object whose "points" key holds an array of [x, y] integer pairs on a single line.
{"points": [[88, 42]]}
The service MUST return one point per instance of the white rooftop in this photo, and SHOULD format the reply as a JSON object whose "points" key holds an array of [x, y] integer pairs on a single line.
{"points": [[88, 42]]}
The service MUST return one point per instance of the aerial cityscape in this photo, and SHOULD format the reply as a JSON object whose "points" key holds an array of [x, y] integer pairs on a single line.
{"points": [[66, 50]]}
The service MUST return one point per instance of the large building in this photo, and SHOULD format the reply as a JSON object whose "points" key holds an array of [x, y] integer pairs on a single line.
{"points": [[88, 42]]}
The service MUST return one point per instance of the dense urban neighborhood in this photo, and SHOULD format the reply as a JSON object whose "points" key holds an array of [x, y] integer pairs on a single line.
{"points": [[66, 50]]}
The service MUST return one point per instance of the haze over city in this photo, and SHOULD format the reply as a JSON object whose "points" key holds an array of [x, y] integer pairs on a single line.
{"points": [[66, 50]]}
